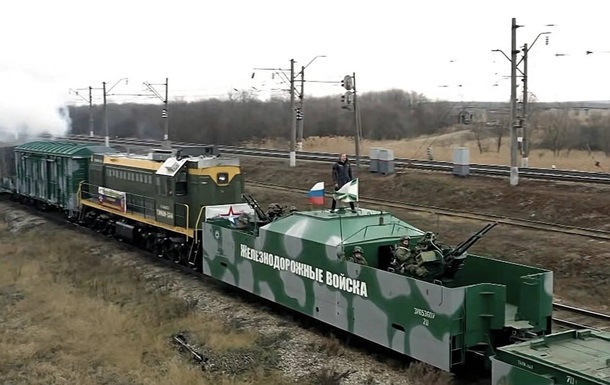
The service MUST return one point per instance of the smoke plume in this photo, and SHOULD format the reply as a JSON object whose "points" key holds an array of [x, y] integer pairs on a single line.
{"points": [[30, 107]]}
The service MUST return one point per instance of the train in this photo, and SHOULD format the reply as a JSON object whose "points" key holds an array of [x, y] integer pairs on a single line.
{"points": [[189, 205]]}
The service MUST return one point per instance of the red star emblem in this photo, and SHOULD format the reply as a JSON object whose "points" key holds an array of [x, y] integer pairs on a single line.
{"points": [[231, 214]]}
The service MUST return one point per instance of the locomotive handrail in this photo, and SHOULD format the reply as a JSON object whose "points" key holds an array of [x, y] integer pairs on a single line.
{"points": [[198, 219], [188, 213], [79, 191]]}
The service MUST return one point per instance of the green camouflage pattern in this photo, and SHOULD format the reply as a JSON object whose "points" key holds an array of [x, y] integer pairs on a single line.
{"points": [[295, 261]]}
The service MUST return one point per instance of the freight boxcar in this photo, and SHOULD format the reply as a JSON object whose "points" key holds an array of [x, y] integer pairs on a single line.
{"points": [[50, 173]]}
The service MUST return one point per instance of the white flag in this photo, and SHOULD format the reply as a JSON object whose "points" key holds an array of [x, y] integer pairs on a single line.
{"points": [[348, 192]]}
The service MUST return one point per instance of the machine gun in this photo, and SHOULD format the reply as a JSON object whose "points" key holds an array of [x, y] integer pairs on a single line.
{"points": [[260, 213], [454, 259]]}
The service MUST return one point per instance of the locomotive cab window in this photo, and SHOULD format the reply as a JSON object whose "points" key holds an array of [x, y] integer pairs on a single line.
{"points": [[222, 178], [164, 185], [181, 183]]}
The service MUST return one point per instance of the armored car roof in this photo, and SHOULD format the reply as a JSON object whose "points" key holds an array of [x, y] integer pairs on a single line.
{"points": [[582, 354], [328, 228]]}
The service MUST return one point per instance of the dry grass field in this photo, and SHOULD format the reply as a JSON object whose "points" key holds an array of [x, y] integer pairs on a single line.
{"points": [[70, 316], [442, 149]]}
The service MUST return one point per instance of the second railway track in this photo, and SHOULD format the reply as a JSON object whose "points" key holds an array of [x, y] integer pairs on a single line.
{"points": [[572, 317], [537, 225], [421, 164]]}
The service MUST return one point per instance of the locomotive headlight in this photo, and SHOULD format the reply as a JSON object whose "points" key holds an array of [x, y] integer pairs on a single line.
{"points": [[222, 177]]}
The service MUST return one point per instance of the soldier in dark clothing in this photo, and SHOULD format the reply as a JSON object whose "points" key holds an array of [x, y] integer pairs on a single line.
{"points": [[342, 174]]}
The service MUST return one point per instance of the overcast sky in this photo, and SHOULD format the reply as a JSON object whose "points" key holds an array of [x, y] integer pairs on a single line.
{"points": [[207, 48]]}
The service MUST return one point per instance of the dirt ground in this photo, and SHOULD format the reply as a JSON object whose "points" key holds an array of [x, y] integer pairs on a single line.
{"points": [[581, 265]]}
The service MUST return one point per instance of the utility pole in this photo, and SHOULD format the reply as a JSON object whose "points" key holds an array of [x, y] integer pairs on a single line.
{"points": [[300, 112], [525, 124], [295, 116], [166, 144], [356, 123], [90, 101], [514, 170], [90, 112], [348, 100], [293, 122], [107, 140], [526, 145]]}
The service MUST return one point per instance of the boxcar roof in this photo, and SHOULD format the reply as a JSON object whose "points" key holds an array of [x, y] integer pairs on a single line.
{"points": [[62, 148]]}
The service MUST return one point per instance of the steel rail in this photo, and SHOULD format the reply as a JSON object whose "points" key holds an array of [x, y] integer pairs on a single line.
{"points": [[594, 320], [570, 324], [580, 311], [430, 165]]}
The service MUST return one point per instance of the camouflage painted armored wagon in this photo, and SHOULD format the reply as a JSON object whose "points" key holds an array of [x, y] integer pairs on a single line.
{"points": [[295, 261]]}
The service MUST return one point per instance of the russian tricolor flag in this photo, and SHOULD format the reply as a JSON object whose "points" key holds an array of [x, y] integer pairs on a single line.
{"points": [[316, 194]]}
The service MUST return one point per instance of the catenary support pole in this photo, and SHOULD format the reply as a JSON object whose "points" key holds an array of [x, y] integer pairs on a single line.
{"points": [[293, 121], [301, 108], [107, 139], [166, 143], [514, 170], [356, 124], [90, 112], [526, 142]]}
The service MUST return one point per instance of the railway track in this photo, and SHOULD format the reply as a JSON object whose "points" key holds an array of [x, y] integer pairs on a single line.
{"points": [[525, 223], [430, 165], [571, 317]]}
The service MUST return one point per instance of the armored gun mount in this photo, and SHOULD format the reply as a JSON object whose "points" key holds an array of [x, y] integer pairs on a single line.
{"points": [[454, 258], [260, 213]]}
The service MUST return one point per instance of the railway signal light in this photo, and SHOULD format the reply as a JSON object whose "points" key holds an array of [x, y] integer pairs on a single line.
{"points": [[348, 82], [347, 100]]}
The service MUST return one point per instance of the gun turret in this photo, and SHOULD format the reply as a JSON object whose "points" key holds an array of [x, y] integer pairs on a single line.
{"points": [[256, 207], [455, 257]]}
